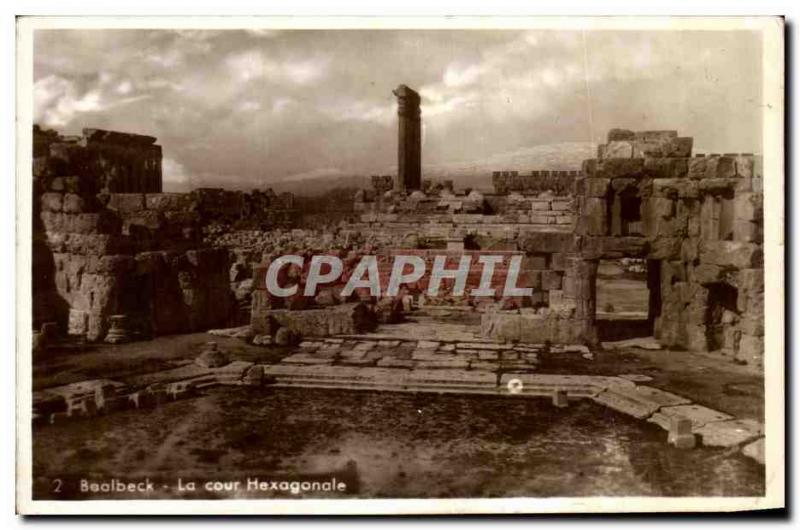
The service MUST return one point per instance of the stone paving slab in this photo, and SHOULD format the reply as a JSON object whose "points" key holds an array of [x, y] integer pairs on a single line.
{"points": [[452, 377], [305, 358], [729, 433], [697, 414], [394, 362], [188, 371], [363, 361], [546, 384], [82, 387], [637, 401], [455, 363]]}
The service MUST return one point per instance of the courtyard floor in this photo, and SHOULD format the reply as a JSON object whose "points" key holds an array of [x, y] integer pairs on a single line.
{"points": [[392, 444]]}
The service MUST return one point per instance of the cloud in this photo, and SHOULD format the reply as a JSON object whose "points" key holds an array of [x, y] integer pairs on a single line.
{"points": [[174, 174], [254, 64], [256, 106]]}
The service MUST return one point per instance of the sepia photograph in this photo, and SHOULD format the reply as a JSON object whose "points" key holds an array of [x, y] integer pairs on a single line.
{"points": [[376, 266]]}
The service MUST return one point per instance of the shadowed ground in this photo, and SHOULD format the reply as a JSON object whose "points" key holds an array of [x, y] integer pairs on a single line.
{"points": [[383, 445]]}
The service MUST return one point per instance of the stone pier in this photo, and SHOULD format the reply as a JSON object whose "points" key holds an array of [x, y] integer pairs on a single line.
{"points": [[409, 169]]}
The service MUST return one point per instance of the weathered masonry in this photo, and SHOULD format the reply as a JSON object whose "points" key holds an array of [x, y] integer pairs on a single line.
{"points": [[698, 223], [104, 161], [115, 259]]}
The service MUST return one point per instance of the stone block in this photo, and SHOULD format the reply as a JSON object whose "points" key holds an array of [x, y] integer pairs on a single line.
{"points": [[637, 401], [720, 167], [560, 398], [729, 433], [52, 202], [394, 362], [620, 134], [564, 220], [737, 254], [747, 231], [697, 167], [748, 207], [596, 187], [558, 261], [352, 318], [306, 358], [751, 349], [677, 147], [621, 167], [541, 220], [449, 364], [126, 202], [618, 149], [595, 217], [745, 166], [696, 414], [551, 280]]}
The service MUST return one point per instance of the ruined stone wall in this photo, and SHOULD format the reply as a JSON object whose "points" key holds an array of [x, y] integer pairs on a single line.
{"points": [[698, 220], [556, 182], [146, 256], [441, 213], [98, 161], [92, 262]]}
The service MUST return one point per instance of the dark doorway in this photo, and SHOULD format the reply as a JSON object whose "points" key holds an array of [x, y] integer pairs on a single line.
{"points": [[721, 314], [626, 307]]}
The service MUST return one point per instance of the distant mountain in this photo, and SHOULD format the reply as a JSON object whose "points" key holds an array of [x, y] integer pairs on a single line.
{"points": [[475, 173], [314, 186]]}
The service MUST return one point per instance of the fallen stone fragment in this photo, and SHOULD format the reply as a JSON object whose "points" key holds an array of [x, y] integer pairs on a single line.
{"points": [[262, 340], [211, 357], [254, 376], [232, 373], [755, 450], [284, 336], [729, 433]]}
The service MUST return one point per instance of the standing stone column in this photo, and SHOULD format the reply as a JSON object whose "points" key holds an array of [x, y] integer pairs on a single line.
{"points": [[409, 161], [582, 287]]}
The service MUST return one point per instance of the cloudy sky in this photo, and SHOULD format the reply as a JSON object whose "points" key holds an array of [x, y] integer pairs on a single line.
{"points": [[248, 108]]}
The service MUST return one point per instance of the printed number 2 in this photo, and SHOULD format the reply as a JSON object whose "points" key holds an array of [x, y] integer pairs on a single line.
{"points": [[56, 485]]}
